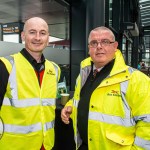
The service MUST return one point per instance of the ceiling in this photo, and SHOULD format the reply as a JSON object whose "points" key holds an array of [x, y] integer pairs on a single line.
{"points": [[145, 12], [55, 12]]}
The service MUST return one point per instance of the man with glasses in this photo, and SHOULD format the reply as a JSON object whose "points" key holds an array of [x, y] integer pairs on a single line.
{"points": [[111, 106]]}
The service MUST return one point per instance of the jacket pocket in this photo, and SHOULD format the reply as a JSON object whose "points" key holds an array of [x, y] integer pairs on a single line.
{"points": [[124, 140]]}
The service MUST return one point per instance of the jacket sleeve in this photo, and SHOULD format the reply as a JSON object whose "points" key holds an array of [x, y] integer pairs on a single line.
{"points": [[70, 102], [3, 81], [139, 101]]}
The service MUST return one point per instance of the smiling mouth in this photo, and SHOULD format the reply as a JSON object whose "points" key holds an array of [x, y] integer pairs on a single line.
{"points": [[37, 43], [99, 54]]}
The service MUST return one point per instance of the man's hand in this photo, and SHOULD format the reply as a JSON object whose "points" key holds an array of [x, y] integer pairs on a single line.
{"points": [[65, 114]]}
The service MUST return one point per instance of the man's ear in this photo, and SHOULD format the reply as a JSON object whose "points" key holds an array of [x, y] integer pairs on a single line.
{"points": [[48, 41], [88, 50], [22, 36], [116, 44]]}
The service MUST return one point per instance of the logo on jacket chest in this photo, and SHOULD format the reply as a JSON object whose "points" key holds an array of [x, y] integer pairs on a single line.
{"points": [[114, 93], [50, 72]]}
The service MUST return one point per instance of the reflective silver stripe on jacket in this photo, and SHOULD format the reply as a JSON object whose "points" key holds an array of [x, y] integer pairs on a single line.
{"points": [[142, 143], [10, 59], [130, 69], [56, 70], [27, 129], [28, 102], [48, 102], [75, 102], [22, 129], [13, 82], [84, 73], [111, 119], [123, 86], [78, 139], [12, 78], [49, 125], [144, 118]]}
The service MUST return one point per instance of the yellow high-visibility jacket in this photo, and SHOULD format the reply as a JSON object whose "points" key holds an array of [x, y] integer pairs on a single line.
{"points": [[28, 110], [119, 109]]}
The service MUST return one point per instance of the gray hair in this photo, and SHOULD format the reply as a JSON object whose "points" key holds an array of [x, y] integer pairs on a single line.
{"points": [[102, 28]]}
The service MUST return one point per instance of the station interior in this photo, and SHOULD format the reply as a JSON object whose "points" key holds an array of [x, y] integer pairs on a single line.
{"points": [[70, 22]]}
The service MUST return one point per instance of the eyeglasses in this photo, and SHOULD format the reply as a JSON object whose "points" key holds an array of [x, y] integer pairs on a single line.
{"points": [[103, 43]]}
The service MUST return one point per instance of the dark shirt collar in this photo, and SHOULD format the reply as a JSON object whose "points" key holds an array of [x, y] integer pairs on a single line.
{"points": [[33, 62], [110, 64]]}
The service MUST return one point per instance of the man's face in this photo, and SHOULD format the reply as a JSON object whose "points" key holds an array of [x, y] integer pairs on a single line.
{"points": [[104, 52], [35, 35]]}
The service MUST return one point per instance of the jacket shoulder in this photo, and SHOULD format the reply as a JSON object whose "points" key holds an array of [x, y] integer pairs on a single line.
{"points": [[86, 62], [8, 62]]}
